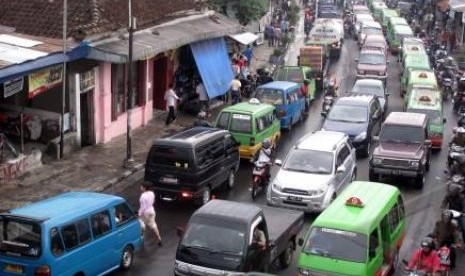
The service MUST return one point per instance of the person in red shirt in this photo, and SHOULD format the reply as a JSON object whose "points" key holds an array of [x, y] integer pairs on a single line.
{"points": [[425, 259], [303, 91]]}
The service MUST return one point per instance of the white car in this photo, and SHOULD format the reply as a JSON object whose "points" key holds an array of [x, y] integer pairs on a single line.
{"points": [[359, 20], [369, 28], [372, 87], [314, 172]]}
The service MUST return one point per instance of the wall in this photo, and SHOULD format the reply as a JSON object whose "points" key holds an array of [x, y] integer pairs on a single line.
{"points": [[14, 168], [105, 128]]}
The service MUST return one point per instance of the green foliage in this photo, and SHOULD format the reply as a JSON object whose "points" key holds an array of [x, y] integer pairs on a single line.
{"points": [[277, 52], [249, 10]]}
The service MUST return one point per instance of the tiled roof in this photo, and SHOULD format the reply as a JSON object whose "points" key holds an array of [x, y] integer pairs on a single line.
{"points": [[44, 17]]}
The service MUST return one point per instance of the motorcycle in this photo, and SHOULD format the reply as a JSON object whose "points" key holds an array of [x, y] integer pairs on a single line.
{"points": [[259, 177], [447, 88], [456, 155], [415, 271], [459, 102], [327, 104]]}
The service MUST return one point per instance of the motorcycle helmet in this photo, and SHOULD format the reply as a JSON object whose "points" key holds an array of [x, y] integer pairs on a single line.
{"points": [[427, 243], [454, 189], [266, 143], [202, 115], [460, 130]]}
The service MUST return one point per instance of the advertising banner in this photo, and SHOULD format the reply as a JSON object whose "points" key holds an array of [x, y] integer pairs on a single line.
{"points": [[43, 80]]}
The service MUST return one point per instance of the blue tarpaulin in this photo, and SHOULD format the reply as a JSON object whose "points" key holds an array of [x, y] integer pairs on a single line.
{"points": [[213, 64]]}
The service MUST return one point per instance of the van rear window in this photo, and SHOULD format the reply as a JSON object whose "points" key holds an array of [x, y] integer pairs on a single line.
{"points": [[170, 157], [20, 238], [241, 123]]}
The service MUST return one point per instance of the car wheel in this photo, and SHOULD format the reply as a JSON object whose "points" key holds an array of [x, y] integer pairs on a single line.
{"points": [[354, 175], [428, 164], [127, 257], [205, 198], [289, 128], [420, 181], [372, 176], [333, 197], [285, 258], [231, 179]]}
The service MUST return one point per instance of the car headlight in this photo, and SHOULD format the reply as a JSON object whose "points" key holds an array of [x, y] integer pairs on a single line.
{"points": [[316, 192], [303, 271], [414, 164], [377, 161], [277, 186], [362, 136]]}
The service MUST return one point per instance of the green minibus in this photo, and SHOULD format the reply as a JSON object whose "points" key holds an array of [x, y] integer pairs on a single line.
{"points": [[360, 233]]}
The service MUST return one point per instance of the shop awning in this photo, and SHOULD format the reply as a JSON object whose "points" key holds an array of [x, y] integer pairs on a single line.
{"points": [[171, 35], [245, 38], [457, 5], [213, 64]]}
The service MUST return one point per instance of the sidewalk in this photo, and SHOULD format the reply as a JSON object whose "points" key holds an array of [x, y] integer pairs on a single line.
{"points": [[99, 168]]}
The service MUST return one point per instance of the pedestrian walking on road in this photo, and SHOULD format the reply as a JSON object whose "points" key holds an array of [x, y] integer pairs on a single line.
{"points": [[171, 99], [147, 212], [236, 90], [203, 98]]}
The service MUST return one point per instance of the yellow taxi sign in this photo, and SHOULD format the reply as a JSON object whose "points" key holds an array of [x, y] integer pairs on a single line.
{"points": [[423, 75], [355, 202], [424, 99]]}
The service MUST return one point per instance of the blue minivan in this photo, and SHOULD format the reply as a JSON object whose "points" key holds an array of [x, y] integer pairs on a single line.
{"points": [[76, 233], [286, 97]]}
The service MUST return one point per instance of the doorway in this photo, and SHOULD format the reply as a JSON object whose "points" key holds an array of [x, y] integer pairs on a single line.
{"points": [[87, 122], [159, 82]]}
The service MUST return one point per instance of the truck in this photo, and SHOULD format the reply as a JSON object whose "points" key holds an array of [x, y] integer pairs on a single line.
{"points": [[219, 239], [313, 57], [328, 32]]}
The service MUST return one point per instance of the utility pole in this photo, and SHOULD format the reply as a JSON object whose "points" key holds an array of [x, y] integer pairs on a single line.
{"points": [[63, 91], [128, 162]]}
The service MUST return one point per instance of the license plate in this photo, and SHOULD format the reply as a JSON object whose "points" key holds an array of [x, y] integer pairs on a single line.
{"points": [[169, 180], [294, 198], [14, 269]]}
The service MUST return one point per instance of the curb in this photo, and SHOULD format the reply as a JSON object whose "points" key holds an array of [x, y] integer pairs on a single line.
{"points": [[110, 185]]}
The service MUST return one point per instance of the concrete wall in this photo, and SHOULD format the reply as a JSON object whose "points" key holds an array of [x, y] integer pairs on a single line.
{"points": [[107, 129]]}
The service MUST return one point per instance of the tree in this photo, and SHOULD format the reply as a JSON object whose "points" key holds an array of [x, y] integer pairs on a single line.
{"points": [[249, 10]]}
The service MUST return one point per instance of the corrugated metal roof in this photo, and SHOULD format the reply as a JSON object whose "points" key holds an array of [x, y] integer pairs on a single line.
{"points": [[172, 35]]}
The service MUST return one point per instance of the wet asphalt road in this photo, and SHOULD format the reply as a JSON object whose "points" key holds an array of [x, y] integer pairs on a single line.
{"points": [[422, 206]]}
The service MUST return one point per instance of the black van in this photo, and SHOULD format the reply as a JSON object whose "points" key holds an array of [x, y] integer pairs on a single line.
{"points": [[191, 163]]}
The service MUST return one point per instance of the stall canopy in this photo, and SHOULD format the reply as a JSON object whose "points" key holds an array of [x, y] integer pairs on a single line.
{"points": [[245, 38], [213, 64], [457, 5]]}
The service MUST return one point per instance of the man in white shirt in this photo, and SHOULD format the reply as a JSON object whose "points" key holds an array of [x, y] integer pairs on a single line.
{"points": [[203, 98], [235, 90], [170, 98]]}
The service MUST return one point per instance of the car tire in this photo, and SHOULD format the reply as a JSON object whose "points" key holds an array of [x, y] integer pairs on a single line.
{"points": [[206, 195], [373, 177], [127, 258], [285, 259], [289, 128], [354, 175], [420, 180], [367, 150], [231, 180]]}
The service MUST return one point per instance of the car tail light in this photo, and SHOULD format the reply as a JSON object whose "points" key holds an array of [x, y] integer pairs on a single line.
{"points": [[43, 270], [252, 141]]}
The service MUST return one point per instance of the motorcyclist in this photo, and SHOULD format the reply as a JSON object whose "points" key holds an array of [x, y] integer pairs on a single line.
{"points": [[454, 200], [264, 155], [445, 233], [425, 259], [331, 85], [459, 137], [422, 34], [201, 120]]}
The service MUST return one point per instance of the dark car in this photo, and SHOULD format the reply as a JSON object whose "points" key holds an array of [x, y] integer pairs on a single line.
{"points": [[192, 163], [403, 148], [372, 87], [359, 116]]}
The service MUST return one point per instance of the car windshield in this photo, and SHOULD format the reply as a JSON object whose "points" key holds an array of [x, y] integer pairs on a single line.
{"points": [[270, 96], [202, 234], [20, 237], [347, 113], [372, 31], [337, 244], [372, 59], [368, 89], [309, 161], [434, 116], [401, 134], [241, 123], [290, 74], [399, 37]]}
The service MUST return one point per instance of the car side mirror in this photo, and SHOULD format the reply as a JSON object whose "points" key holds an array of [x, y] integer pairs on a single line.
{"points": [[271, 244], [180, 231], [444, 120], [323, 113], [300, 242], [341, 169], [387, 94], [428, 142], [278, 162], [375, 138], [356, 59]]}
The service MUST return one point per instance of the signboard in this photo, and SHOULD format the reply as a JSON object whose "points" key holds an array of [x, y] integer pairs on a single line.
{"points": [[87, 81], [43, 80], [12, 87]]}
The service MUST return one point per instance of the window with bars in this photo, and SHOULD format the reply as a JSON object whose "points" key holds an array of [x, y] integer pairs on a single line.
{"points": [[119, 91]]}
